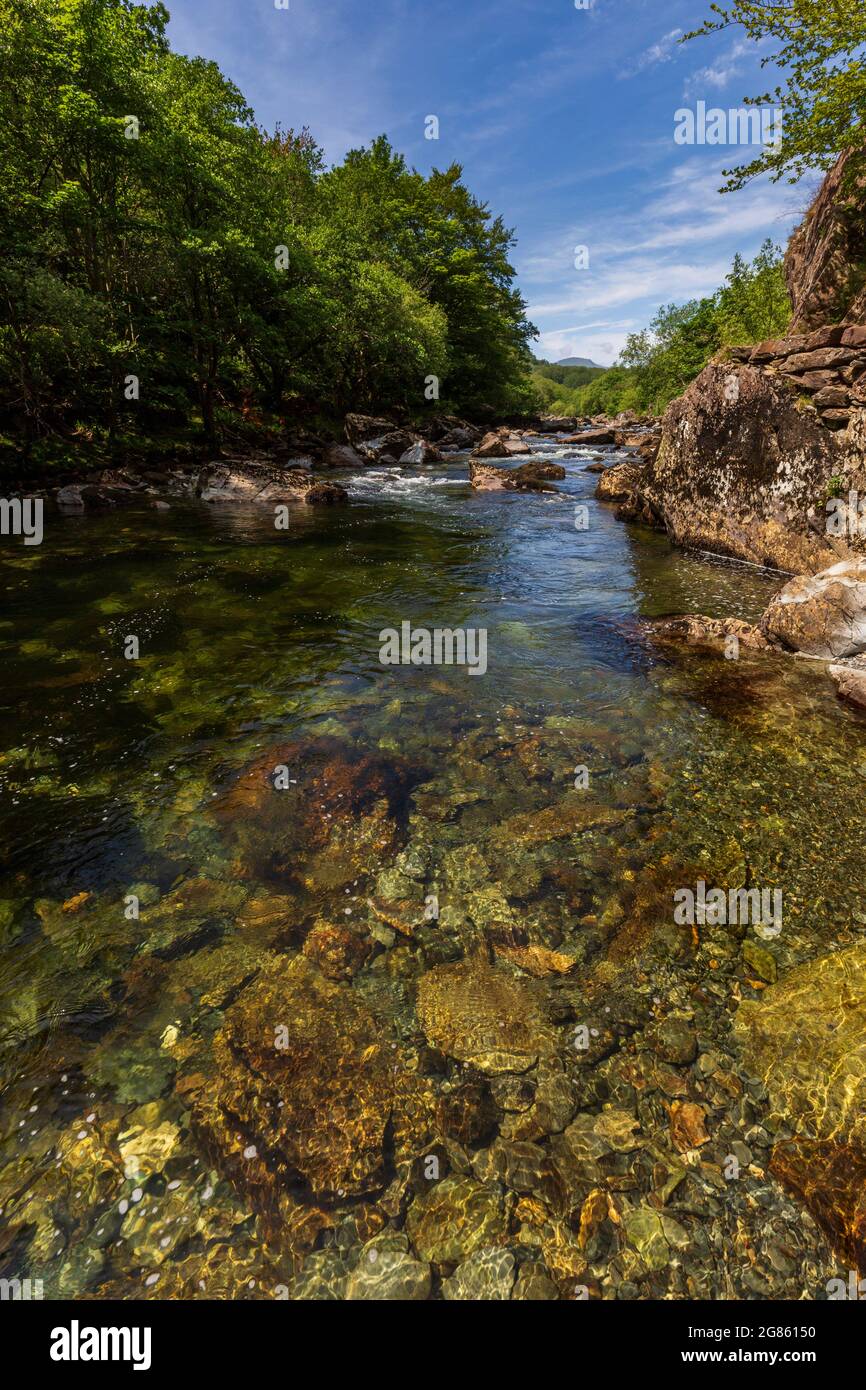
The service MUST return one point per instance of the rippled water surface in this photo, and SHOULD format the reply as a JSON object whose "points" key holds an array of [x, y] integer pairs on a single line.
{"points": [[428, 1123]]}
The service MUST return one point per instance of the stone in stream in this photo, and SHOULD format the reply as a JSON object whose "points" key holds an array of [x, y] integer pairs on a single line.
{"points": [[421, 452], [456, 1217], [265, 483], [850, 682], [318, 811], [487, 1276], [621, 482], [478, 1013], [597, 436], [805, 1039], [308, 1091], [529, 477], [823, 615], [698, 630], [499, 444], [340, 456]]}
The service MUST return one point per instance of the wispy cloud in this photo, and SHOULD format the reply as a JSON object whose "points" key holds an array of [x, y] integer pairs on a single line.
{"points": [[672, 245], [659, 52]]}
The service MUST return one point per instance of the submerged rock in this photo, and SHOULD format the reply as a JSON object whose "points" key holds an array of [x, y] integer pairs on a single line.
{"points": [[805, 1039], [456, 1217], [532, 828], [487, 1276], [318, 811], [308, 1089], [386, 1270], [477, 1013], [710, 632]]}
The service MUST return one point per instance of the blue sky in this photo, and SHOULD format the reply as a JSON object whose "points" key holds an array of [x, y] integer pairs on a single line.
{"points": [[563, 119]]}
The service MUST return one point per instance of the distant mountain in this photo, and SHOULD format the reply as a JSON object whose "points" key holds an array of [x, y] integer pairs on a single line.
{"points": [[576, 362]]}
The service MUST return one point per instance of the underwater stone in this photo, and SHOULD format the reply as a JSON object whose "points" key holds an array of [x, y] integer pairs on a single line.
{"points": [[487, 1276], [308, 1086], [455, 1218], [341, 812], [805, 1039], [479, 1014]]}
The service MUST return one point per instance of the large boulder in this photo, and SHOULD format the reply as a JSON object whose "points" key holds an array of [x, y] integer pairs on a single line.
{"points": [[378, 440], [450, 432], [745, 466], [265, 483], [825, 256], [823, 614]]}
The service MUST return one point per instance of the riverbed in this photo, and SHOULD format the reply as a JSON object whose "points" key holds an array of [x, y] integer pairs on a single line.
{"points": [[455, 853]]}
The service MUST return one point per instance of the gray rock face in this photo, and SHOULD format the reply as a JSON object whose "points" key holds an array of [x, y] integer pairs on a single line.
{"points": [[745, 466], [823, 615]]}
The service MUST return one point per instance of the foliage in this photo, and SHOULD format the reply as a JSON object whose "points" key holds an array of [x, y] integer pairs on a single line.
{"points": [[221, 265], [819, 48], [657, 364]]}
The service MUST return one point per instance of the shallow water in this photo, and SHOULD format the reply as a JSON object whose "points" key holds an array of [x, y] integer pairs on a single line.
{"points": [[113, 773]]}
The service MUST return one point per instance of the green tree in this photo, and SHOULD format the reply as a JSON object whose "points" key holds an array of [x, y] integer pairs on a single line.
{"points": [[819, 47]]}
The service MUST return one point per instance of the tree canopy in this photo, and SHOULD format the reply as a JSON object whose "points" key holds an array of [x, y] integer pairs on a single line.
{"points": [[819, 46], [165, 262]]}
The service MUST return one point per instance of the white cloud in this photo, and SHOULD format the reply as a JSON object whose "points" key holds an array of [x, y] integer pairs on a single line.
{"points": [[660, 52], [672, 245]]}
